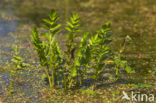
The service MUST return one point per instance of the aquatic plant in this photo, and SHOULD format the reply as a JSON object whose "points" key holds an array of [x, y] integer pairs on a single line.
{"points": [[18, 64], [17, 60], [87, 55], [48, 50]]}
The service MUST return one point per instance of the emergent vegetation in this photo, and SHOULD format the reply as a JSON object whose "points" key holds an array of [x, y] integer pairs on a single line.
{"points": [[83, 58]]}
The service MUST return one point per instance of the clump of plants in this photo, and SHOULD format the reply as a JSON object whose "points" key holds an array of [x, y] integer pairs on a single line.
{"points": [[88, 55]]}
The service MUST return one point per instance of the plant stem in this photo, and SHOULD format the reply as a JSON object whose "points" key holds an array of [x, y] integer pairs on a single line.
{"points": [[49, 78]]}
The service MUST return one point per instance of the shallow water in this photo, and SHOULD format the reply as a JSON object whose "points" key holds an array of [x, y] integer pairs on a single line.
{"points": [[6, 27], [140, 52], [4, 80]]}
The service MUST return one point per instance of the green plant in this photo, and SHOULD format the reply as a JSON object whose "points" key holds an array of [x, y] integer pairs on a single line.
{"points": [[80, 58], [100, 50], [71, 45], [122, 63], [18, 64], [17, 60], [48, 50]]}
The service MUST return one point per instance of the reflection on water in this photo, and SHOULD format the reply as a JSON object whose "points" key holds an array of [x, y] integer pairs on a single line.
{"points": [[7, 27]]}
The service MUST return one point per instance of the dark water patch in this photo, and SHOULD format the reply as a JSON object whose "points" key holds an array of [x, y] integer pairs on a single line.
{"points": [[7, 26]]}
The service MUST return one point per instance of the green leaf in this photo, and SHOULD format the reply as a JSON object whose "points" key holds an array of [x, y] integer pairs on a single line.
{"points": [[25, 65], [54, 27], [45, 35], [69, 29], [70, 24], [123, 64], [47, 21], [88, 91], [44, 76], [46, 26], [73, 71], [56, 31], [129, 70], [93, 76], [117, 61], [140, 85]]}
